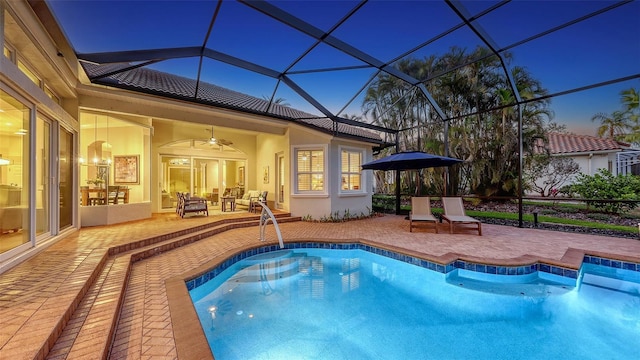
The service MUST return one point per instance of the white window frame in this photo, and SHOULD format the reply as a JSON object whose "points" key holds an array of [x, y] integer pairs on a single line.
{"points": [[294, 174], [361, 151]]}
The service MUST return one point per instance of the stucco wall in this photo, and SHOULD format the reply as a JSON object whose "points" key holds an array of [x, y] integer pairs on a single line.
{"points": [[589, 163], [331, 201]]}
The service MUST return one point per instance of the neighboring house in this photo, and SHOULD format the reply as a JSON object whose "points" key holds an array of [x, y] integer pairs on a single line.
{"points": [[593, 153], [68, 127]]}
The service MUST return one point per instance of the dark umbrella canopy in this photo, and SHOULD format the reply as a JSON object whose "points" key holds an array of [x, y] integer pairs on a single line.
{"points": [[410, 160]]}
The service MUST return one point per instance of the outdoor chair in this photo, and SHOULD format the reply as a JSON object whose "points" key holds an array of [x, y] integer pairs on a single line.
{"points": [[421, 212], [454, 214], [255, 201], [188, 204]]}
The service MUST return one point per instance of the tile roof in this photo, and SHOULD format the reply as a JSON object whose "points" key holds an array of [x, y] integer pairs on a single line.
{"points": [[122, 75], [571, 143]]}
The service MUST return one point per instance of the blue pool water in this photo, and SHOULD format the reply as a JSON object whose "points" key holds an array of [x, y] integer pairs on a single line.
{"points": [[352, 304]]}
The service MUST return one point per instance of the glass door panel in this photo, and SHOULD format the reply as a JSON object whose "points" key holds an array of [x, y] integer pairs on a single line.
{"points": [[14, 172], [206, 179], [66, 178], [175, 176], [43, 164], [234, 178]]}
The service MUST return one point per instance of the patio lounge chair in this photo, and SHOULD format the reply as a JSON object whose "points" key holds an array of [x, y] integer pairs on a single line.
{"points": [[421, 211], [454, 214]]}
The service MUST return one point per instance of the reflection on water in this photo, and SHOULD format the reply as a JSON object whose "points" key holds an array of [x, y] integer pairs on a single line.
{"points": [[331, 304]]}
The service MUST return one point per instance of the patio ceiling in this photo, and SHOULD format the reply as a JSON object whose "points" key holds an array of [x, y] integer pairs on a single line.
{"points": [[313, 60]]}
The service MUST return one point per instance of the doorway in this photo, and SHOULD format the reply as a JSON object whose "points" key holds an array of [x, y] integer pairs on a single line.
{"points": [[203, 177]]}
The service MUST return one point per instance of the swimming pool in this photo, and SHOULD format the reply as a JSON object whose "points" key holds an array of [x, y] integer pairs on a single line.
{"points": [[312, 303]]}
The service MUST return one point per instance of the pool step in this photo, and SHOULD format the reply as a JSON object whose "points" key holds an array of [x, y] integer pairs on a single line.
{"points": [[610, 283], [270, 266]]}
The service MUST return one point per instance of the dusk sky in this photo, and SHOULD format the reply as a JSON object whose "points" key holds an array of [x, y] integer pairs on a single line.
{"points": [[599, 49]]}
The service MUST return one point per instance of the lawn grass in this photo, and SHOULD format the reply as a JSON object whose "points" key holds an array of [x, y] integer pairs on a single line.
{"points": [[544, 218], [551, 219]]}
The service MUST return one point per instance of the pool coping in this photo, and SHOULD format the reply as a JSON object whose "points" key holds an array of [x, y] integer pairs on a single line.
{"points": [[191, 341]]}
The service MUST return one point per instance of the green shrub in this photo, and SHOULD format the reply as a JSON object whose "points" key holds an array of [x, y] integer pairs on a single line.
{"points": [[630, 216], [384, 203], [604, 186], [598, 216]]}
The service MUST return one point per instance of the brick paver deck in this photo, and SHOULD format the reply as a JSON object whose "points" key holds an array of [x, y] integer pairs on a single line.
{"points": [[112, 292]]}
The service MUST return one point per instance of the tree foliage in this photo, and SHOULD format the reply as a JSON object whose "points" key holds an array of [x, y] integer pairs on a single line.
{"points": [[465, 85], [546, 174], [624, 124]]}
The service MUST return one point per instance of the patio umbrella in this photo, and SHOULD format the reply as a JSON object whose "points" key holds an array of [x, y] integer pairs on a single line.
{"points": [[410, 160]]}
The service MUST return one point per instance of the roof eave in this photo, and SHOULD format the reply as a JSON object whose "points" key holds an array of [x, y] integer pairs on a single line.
{"points": [[118, 85]]}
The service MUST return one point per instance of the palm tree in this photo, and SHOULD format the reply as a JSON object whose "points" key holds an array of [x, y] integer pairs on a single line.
{"points": [[279, 101], [631, 101], [613, 126], [488, 140]]}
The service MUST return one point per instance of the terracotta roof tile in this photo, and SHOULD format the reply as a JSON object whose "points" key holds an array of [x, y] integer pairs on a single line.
{"points": [[571, 143], [164, 84]]}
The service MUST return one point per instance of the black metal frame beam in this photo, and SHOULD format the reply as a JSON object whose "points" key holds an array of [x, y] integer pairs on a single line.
{"points": [[310, 30]]}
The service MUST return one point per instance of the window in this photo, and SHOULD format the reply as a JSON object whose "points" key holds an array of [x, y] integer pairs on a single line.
{"points": [[8, 53], [310, 170], [15, 169], [350, 170], [30, 74], [51, 94]]}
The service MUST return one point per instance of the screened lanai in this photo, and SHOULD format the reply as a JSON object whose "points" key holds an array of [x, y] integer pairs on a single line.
{"points": [[322, 57], [420, 73]]}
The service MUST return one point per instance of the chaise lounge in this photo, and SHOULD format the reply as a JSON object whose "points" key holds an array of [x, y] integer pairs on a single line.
{"points": [[421, 212], [454, 214]]}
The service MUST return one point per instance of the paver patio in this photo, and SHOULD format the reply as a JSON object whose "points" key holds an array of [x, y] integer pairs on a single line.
{"points": [[126, 297]]}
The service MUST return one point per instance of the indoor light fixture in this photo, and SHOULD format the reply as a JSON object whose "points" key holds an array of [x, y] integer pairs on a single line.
{"points": [[4, 161]]}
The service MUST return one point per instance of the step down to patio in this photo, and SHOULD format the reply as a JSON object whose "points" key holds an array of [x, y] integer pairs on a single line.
{"points": [[89, 331]]}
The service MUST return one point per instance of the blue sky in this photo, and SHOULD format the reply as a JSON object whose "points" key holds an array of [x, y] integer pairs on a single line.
{"points": [[599, 49]]}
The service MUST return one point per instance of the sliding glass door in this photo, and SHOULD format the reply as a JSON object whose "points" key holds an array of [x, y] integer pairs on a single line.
{"points": [[208, 178]]}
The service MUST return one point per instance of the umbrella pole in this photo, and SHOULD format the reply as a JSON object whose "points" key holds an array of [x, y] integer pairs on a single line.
{"points": [[397, 192]]}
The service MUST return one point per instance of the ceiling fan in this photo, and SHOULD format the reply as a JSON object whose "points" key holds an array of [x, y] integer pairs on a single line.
{"points": [[215, 141]]}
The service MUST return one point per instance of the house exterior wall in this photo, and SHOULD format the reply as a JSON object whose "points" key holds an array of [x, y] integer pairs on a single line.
{"points": [[268, 146], [313, 205], [160, 121], [356, 203], [589, 164]]}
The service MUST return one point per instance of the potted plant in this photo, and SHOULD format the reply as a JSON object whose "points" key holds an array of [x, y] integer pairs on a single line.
{"points": [[96, 182]]}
